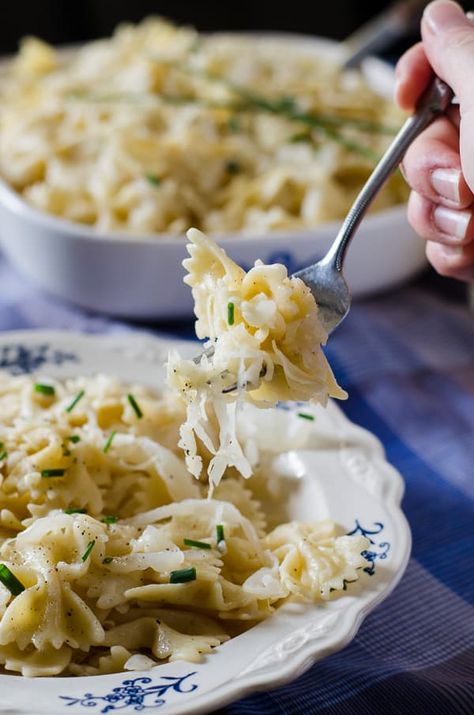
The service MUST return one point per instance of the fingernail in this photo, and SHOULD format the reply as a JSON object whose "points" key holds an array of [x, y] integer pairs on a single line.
{"points": [[442, 14], [450, 222], [446, 183]]}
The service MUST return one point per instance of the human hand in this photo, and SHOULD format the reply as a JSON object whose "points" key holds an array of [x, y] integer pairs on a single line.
{"points": [[439, 165]]}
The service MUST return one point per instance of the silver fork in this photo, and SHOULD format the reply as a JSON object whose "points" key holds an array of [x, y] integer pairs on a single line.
{"points": [[325, 278]]}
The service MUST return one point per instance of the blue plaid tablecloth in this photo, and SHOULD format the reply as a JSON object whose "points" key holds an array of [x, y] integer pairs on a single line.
{"points": [[407, 361]]}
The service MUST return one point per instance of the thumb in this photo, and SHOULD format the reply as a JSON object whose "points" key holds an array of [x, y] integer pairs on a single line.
{"points": [[448, 40]]}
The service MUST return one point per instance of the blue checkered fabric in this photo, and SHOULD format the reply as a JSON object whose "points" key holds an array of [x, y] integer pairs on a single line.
{"points": [[407, 361]]}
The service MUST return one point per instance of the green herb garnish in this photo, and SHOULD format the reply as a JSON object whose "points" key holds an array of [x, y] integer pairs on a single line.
{"points": [[107, 560], [328, 125], [10, 581], [153, 179], [74, 438], [233, 167], [196, 544], [300, 137], [88, 550], [234, 124], [44, 389], [78, 397], [3, 455], [48, 473], [135, 406], [183, 575], [108, 444], [331, 126], [75, 511], [220, 533], [109, 519], [305, 416], [230, 313], [287, 103]]}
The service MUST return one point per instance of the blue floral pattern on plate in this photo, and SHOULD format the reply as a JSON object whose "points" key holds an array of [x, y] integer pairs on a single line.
{"points": [[132, 694], [21, 359], [380, 550]]}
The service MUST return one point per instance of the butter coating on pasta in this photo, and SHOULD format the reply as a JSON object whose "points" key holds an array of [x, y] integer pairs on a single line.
{"points": [[266, 337], [145, 133], [112, 556]]}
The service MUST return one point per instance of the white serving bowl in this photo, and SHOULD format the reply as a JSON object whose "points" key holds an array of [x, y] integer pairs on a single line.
{"points": [[141, 277]]}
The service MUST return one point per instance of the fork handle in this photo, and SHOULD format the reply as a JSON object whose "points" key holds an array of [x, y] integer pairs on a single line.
{"points": [[433, 102]]}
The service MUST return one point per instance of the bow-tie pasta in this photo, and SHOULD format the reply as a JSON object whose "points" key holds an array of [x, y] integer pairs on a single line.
{"points": [[111, 555], [158, 128], [264, 345]]}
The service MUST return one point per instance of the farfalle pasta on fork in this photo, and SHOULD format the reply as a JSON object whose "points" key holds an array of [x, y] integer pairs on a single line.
{"points": [[265, 341]]}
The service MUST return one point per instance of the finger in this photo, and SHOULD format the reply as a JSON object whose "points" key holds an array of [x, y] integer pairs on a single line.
{"points": [[413, 72], [448, 39], [453, 115], [432, 166], [451, 261], [439, 223]]}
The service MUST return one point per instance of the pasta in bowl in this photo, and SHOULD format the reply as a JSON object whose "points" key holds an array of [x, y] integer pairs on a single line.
{"points": [[110, 152], [121, 471], [158, 129]]}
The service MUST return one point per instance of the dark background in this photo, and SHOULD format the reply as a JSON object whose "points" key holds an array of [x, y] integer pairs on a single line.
{"points": [[62, 21], [66, 21]]}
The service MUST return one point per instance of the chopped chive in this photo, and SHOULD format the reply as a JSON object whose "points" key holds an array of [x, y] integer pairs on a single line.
{"points": [[230, 313], [78, 397], [88, 550], [305, 416], [48, 473], [107, 560], [135, 406], [233, 167], [3, 455], [183, 575], [287, 103], [234, 124], [10, 581], [109, 520], [44, 389], [153, 179], [220, 533], [108, 444], [196, 544], [74, 438], [300, 137], [75, 511]]}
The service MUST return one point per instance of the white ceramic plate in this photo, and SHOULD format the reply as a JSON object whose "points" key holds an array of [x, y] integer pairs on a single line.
{"points": [[344, 477], [140, 277]]}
